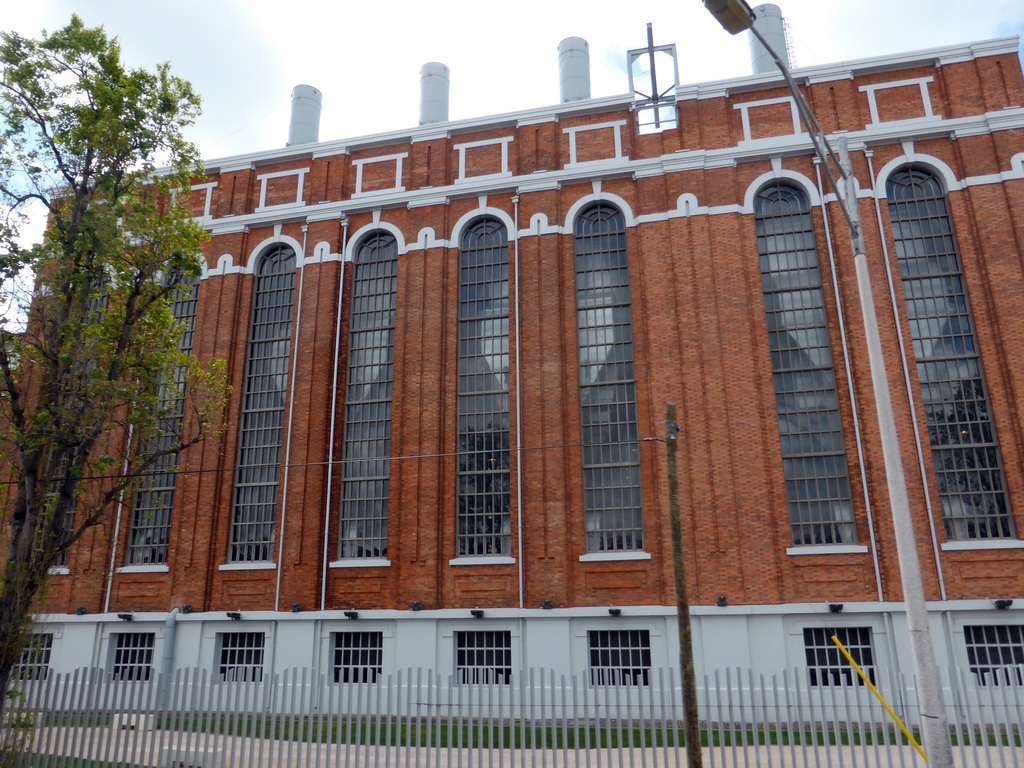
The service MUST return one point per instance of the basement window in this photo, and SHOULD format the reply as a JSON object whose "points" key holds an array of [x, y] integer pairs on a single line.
{"points": [[620, 657], [483, 658], [826, 665], [241, 656], [34, 663], [133, 655], [358, 656], [995, 654]]}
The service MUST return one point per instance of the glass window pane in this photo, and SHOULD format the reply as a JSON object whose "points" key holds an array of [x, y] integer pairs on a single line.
{"points": [[813, 451], [611, 461], [965, 452]]}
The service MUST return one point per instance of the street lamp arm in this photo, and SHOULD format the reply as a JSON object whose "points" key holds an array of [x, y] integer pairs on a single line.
{"points": [[822, 148]]}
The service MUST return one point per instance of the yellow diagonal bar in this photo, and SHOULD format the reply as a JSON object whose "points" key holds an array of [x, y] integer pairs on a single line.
{"points": [[874, 690]]}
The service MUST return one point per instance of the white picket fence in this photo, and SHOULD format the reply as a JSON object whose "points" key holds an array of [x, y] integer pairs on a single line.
{"points": [[415, 718]]}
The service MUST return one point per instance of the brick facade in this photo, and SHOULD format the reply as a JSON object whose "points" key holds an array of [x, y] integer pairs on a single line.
{"points": [[700, 341]]}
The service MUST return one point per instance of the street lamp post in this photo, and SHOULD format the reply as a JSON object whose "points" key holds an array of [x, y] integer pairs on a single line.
{"points": [[736, 16]]}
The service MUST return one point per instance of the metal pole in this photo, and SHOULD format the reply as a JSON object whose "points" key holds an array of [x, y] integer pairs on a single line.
{"points": [[736, 16], [934, 729], [694, 756]]}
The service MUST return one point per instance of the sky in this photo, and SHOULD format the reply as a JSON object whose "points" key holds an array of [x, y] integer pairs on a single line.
{"points": [[244, 56]]}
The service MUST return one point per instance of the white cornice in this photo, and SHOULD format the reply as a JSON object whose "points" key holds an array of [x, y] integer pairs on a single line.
{"points": [[420, 133], [843, 70], [702, 159], [555, 113]]}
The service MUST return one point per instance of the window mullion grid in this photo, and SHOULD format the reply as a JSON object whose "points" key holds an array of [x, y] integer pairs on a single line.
{"points": [[813, 449], [262, 429], [965, 451], [133, 655], [484, 425], [358, 656], [620, 657], [613, 516], [154, 499], [825, 664], [367, 442], [34, 662], [995, 654], [483, 658], [241, 656]]}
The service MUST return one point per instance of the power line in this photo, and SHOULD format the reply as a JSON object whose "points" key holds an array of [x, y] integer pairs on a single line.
{"points": [[336, 462]]}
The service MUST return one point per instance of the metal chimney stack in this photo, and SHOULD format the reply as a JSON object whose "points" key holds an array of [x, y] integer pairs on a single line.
{"points": [[304, 127], [435, 85], [574, 69], [768, 21]]}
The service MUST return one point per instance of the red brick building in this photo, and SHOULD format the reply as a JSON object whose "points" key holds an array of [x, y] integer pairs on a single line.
{"points": [[451, 348]]}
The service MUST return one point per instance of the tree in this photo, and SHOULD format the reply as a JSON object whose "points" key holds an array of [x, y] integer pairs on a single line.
{"points": [[92, 381]]}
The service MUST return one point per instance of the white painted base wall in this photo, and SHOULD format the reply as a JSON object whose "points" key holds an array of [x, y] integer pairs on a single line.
{"points": [[764, 639]]}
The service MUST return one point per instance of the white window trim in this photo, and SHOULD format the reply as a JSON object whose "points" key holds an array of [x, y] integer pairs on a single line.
{"points": [[746, 106], [827, 549], [209, 187], [484, 560], [369, 562], [155, 568], [397, 159], [593, 557], [969, 544], [921, 82], [263, 178], [247, 567], [615, 125], [504, 141]]}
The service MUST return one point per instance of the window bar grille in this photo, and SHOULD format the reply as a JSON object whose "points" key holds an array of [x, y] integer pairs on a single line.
{"points": [[154, 499], [484, 468], [965, 451], [995, 654], [263, 408], [133, 655], [613, 514], [34, 662], [620, 657], [367, 444], [810, 427], [358, 656], [826, 666], [241, 657], [483, 658]]}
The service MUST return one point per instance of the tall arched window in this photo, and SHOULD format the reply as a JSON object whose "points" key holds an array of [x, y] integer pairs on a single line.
{"points": [[371, 364], [968, 465], [813, 451], [154, 499], [263, 404], [613, 516], [484, 479]]}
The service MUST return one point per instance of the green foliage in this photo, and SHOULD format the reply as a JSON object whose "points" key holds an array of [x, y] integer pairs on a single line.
{"points": [[84, 381]]}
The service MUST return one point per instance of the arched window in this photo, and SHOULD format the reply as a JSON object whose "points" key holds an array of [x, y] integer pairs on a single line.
{"points": [[813, 450], [154, 499], [263, 404], [366, 475], [613, 516], [484, 470], [968, 464]]}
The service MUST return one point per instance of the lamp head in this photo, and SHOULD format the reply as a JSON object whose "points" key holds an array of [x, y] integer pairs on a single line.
{"points": [[735, 16]]}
